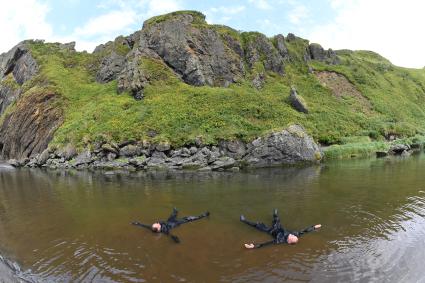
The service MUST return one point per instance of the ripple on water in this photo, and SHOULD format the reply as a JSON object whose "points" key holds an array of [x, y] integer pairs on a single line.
{"points": [[397, 258], [88, 264]]}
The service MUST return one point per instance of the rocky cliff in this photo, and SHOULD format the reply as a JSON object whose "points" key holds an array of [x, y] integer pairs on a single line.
{"points": [[216, 97]]}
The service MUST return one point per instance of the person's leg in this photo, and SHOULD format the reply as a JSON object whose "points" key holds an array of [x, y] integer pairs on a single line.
{"points": [[276, 220], [258, 225], [173, 215]]}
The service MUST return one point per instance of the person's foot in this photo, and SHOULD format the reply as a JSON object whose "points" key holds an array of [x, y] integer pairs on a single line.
{"points": [[242, 218], [175, 209], [207, 213], [275, 212]]}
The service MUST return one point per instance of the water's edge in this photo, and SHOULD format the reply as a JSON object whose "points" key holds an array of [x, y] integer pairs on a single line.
{"points": [[11, 272]]}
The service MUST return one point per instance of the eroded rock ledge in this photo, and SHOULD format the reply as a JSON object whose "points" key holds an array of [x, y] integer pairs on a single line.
{"points": [[290, 146]]}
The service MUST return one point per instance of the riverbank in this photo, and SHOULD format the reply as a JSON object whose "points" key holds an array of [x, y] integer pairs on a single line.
{"points": [[288, 147], [10, 272]]}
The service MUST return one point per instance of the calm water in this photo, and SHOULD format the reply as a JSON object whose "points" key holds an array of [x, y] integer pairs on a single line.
{"points": [[74, 226]]}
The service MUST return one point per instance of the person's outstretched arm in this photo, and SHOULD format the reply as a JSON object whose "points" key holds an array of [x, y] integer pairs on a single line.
{"points": [[175, 238], [142, 225], [256, 246], [309, 229]]}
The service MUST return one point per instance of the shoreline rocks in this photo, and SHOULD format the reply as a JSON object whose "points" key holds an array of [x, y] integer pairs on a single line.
{"points": [[287, 147]]}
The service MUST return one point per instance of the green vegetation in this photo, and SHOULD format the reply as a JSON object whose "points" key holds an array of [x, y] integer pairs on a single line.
{"points": [[352, 150], [179, 113], [198, 17], [9, 81]]}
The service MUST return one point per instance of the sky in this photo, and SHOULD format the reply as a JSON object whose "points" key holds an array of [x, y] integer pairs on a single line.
{"points": [[390, 27]]}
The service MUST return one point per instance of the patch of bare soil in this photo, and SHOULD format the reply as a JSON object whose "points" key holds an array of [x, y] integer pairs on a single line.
{"points": [[341, 87]]}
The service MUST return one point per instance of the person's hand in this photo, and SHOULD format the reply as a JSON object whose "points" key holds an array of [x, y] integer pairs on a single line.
{"points": [[249, 246], [317, 226]]}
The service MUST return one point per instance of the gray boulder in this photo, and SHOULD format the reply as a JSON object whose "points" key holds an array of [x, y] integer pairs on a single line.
{"points": [[43, 157], [14, 163], [317, 52], [223, 163], [83, 158], [235, 149], [130, 150], [399, 149], [297, 101], [259, 80], [287, 147], [68, 152]]}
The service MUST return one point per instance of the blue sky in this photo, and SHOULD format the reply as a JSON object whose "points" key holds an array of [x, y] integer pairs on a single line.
{"points": [[389, 27]]}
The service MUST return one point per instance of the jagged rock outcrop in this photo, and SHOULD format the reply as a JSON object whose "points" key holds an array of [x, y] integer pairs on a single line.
{"points": [[30, 127], [16, 67], [197, 53], [317, 52], [260, 49], [19, 62], [113, 60], [280, 45], [297, 101]]}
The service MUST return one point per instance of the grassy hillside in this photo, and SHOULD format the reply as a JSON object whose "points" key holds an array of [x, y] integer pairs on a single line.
{"points": [[178, 113]]}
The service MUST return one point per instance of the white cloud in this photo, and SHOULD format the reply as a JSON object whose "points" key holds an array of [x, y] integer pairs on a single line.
{"points": [[228, 10], [25, 19], [261, 4], [298, 14], [390, 27], [109, 23], [223, 14], [156, 7]]}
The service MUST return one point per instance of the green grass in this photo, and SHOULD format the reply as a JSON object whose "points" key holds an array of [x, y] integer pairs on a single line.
{"points": [[180, 113], [355, 150]]}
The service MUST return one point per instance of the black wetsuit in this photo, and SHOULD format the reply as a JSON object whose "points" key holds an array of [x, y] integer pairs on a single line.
{"points": [[172, 222], [279, 234]]}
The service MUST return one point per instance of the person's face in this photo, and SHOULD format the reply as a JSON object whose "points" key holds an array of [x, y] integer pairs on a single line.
{"points": [[156, 227], [292, 239]]}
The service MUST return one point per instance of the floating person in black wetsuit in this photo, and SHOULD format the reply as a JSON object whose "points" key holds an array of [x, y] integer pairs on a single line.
{"points": [[280, 234], [171, 223]]}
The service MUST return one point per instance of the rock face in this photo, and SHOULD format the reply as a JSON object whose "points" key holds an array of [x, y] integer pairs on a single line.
{"points": [[317, 52], [16, 67], [30, 127], [297, 101], [287, 147], [110, 67], [195, 52]]}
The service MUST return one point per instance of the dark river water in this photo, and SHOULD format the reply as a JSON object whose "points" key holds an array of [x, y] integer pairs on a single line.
{"points": [[75, 226]]}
